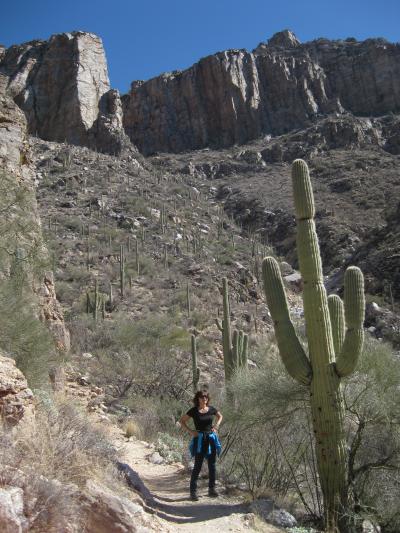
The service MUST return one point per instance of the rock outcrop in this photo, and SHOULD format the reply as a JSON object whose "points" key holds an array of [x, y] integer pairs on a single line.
{"points": [[62, 86], [234, 96], [15, 162], [15, 396], [51, 313]]}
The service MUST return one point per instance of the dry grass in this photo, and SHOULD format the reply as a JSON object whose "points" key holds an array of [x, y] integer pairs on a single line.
{"points": [[51, 458], [132, 429]]}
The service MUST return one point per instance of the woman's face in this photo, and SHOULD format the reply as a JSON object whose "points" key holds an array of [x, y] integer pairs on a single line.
{"points": [[203, 401]]}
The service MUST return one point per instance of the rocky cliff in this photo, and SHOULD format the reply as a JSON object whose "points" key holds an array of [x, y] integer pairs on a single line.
{"points": [[235, 96], [227, 98], [20, 224], [62, 86]]}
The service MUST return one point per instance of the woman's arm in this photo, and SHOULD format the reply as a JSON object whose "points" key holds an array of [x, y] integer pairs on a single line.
{"points": [[183, 420], [219, 418]]}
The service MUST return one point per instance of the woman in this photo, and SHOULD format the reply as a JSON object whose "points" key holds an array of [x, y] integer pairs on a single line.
{"points": [[205, 442]]}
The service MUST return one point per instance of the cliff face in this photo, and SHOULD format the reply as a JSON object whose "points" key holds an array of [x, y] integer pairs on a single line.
{"points": [[62, 86], [20, 225], [231, 97], [234, 96]]}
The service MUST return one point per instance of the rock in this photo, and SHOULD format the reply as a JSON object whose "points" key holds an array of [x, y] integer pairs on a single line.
{"points": [[374, 308], [57, 378], [235, 96], [105, 511], [282, 518], [12, 518], [107, 131], [15, 396], [286, 269], [51, 312], [156, 459], [267, 510], [62, 86], [369, 527], [12, 130], [294, 281]]}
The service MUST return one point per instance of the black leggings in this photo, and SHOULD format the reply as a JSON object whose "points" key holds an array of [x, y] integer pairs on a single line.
{"points": [[198, 463]]}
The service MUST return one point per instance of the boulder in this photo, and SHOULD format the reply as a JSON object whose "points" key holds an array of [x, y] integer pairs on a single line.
{"points": [[267, 510], [105, 511], [12, 518], [15, 396]]}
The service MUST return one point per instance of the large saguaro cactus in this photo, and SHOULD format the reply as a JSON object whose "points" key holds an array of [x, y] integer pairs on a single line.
{"points": [[235, 346], [333, 352]]}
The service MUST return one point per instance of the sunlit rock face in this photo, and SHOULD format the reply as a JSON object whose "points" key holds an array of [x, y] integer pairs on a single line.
{"points": [[235, 96], [58, 84]]}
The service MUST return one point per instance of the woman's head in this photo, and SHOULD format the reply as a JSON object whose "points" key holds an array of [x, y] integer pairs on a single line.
{"points": [[200, 396]]}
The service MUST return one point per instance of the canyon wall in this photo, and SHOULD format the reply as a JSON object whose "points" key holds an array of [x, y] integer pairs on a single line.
{"points": [[227, 98], [62, 86], [235, 96]]}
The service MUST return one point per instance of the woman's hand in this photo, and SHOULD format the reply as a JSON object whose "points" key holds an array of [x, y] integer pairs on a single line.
{"points": [[194, 433], [214, 429]]}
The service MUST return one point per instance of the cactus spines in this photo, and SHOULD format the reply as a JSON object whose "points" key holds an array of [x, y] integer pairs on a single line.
{"points": [[195, 368], [330, 355]]}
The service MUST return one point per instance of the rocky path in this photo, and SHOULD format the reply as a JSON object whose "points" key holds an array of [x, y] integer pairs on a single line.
{"points": [[168, 485]]}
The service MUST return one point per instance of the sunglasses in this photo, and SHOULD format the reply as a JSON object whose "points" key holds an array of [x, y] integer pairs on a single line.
{"points": [[204, 396]]}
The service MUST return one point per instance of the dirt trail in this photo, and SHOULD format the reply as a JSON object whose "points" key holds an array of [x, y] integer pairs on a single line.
{"points": [[168, 485]]}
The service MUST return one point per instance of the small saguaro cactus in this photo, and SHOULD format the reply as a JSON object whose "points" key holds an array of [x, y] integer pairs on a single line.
{"points": [[195, 368], [332, 352], [188, 300], [122, 270], [137, 258], [235, 346]]}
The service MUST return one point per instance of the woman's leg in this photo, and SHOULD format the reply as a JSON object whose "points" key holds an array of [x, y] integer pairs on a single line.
{"points": [[198, 463], [212, 459]]}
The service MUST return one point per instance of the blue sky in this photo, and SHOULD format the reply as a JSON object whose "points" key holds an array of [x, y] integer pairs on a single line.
{"points": [[144, 38]]}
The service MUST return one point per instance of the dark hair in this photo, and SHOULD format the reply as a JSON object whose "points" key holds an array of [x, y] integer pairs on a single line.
{"points": [[198, 395]]}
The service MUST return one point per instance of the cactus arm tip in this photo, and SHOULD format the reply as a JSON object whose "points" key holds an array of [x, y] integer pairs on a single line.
{"points": [[336, 314], [354, 305]]}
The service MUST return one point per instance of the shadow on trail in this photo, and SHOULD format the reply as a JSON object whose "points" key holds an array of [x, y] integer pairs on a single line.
{"points": [[205, 509]]}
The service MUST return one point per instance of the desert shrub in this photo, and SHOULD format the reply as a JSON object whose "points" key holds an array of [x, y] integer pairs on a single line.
{"points": [[156, 415], [131, 429], [148, 357], [169, 447], [62, 444], [22, 335]]}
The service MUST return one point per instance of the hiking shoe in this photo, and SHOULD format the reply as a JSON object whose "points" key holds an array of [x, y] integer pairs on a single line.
{"points": [[213, 493], [194, 497]]}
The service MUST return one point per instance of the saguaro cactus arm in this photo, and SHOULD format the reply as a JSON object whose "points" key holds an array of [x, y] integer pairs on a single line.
{"points": [[292, 352], [336, 313], [354, 306]]}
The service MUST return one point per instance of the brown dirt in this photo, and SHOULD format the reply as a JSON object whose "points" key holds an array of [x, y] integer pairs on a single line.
{"points": [[168, 485]]}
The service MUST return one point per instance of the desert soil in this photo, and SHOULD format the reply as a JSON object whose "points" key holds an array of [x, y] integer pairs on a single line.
{"points": [[168, 485]]}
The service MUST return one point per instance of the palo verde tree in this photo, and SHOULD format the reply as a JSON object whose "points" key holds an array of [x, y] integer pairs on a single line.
{"points": [[333, 350]]}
